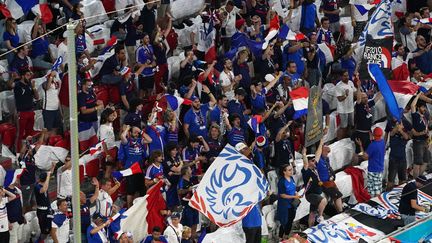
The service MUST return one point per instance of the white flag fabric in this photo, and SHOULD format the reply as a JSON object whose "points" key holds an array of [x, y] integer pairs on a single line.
{"points": [[48, 154], [230, 188]]}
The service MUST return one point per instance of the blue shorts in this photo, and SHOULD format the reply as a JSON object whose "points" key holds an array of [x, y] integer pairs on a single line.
{"points": [[190, 216]]}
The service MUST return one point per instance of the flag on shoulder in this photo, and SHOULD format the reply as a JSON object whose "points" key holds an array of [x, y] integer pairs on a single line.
{"points": [[300, 100], [133, 170]]}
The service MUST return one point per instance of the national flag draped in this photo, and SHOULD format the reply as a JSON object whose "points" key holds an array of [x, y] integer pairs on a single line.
{"points": [[134, 169], [254, 123], [389, 97], [300, 100], [86, 135], [230, 188], [175, 101], [326, 52], [378, 41], [143, 215], [12, 176]]}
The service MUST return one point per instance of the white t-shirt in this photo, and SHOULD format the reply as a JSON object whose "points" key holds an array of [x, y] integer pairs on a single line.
{"points": [[104, 204], [4, 222], [230, 21], [226, 79], [357, 15], [63, 52], [106, 133], [347, 105], [62, 229], [64, 183], [409, 40], [51, 96], [204, 39], [172, 233]]}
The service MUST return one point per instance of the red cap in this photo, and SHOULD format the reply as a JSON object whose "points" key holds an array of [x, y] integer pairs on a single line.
{"points": [[240, 23], [377, 133]]}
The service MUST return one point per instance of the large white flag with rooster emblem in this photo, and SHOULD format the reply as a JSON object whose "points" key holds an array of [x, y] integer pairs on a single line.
{"points": [[230, 188]]}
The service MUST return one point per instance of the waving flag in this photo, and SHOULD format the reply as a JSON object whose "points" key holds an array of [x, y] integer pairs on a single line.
{"points": [[300, 100], [57, 64], [326, 52], [254, 123], [43, 10], [389, 97], [19, 8], [230, 188], [86, 135], [403, 91], [143, 215], [273, 29], [106, 53], [425, 21], [134, 169], [297, 36], [175, 101], [12, 176], [241, 39], [210, 46], [363, 8], [97, 149]]}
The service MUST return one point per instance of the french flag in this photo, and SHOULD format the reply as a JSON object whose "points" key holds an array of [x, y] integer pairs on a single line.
{"points": [[400, 69], [295, 36], [426, 21], [86, 135], [327, 52], [106, 53], [403, 91], [273, 29], [210, 53], [175, 101], [133, 170], [254, 123], [97, 149], [142, 216], [19, 8], [12, 176], [300, 100]]}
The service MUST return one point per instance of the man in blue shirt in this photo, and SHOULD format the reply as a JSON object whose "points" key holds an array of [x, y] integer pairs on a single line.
{"points": [[195, 119], [156, 236], [331, 11], [293, 51], [156, 132], [308, 17], [110, 71], [251, 224], [423, 61], [237, 106], [375, 156]]}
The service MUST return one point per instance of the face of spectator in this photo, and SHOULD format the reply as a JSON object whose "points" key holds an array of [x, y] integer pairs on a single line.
{"points": [[173, 152], [326, 24], [159, 159], [111, 117], [79, 30], [156, 235], [106, 187], [244, 56], [175, 221], [214, 133], [229, 8], [87, 86], [292, 68], [188, 172], [27, 77], [256, 20], [122, 55], [123, 238], [288, 171], [25, 50], [345, 77], [312, 163], [140, 107], [194, 144], [326, 149], [422, 109], [364, 98], [135, 132], [258, 87], [223, 102], [228, 65], [63, 207], [240, 97], [313, 39], [421, 42], [287, 81], [426, 13], [236, 122], [146, 40], [196, 104], [417, 75], [401, 51]]}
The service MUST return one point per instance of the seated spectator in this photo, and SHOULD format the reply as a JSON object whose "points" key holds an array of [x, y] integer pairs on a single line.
{"points": [[110, 71], [40, 53], [11, 38], [409, 203]]}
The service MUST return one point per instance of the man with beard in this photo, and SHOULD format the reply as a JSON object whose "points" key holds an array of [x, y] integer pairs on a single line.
{"points": [[25, 92], [227, 79], [134, 147], [423, 60], [195, 119], [345, 106], [216, 113]]}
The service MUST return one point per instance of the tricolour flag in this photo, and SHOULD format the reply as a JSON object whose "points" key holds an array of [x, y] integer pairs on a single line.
{"points": [[12, 176], [134, 169], [426, 21], [254, 123], [327, 51], [175, 101], [86, 135], [297, 36], [44, 11], [106, 53], [403, 91], [230, 188], [273, 29], [97, 149], [240, 39], [19, 8], [300, 100], [210, 45], [142, 216]]}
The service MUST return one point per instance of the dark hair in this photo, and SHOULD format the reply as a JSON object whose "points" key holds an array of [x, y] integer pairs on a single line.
{"points": [[289, 63], [397, 46], [20, 47], [118, 48], [60, 201], [234, 116], [193, 139], [103, 181], [283, 168], [105, 114], [134, 103], [156, 229], [324, 19], [221, 97], [183, 170], [231, 3], [154, 154]]}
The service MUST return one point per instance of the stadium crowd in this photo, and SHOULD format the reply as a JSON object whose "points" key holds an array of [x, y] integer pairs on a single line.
{"points": [[176, 143]]}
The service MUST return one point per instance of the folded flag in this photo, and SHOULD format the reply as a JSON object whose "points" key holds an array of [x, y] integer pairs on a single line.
{"points": [[97, 149], [254, 123], [300, 100], [134, 169], [12, 176], [389, 97], [142, 216], [175, 101]]}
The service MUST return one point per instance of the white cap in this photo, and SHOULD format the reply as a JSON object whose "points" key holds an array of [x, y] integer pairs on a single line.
{"points": [[269, 77], [240, 146]]}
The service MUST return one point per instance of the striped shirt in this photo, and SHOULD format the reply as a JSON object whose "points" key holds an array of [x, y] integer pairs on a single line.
{"points": [[4, 222], [104, 204]]}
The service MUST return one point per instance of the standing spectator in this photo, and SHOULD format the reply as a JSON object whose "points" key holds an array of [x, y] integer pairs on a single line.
{"points": [[258, 29], [28, 177], [308, 17], [88, 104], [311, 178], [147, 16], [128, 90], [4, 222], [155, 171], [25, 92], [399, 133], [190, 216], [104, 203], [134, 144], [156, 132], [80, 41], [331, 11], [134, 118], [358, 19], [375, 156], [235, 133], [110, 70], [311, 55], [228, 26], [40, 54], [51, 103], [43, 210], [161, 48], [172, 167], [106, 134], [214, 141], [238, 106], [345, 106], [425, 29], [11, 38], [228, 81], [420, 135], [186, 67], [15, 213], [283, 146], [64, 181], [85, 209], [145, 57], [60, 223], [241, 67], [408, 203], [286, 211], [202, 33], [325, 35], [21, 60], [96, 232], [68, 7], [174, 231], [409, 32], [195, 120], [251, 225], [424, 55]]}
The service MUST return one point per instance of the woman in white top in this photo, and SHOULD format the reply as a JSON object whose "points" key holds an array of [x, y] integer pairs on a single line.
{"points": [[106, 134]]}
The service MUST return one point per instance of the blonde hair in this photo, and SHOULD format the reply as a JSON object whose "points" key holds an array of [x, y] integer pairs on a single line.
{"points": [[186, 231], [11, 28]]}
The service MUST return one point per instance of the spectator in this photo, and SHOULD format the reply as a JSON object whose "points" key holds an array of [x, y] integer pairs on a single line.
{"points": [[214, 141], [423, 56], [187, 235], [375, 156], [104, 203], [28, 177], [161, 48], [155, 171], [408, 203], [68, 7], [88, 104], [345, 107], [25, 92], [331, 11], [60, 223], [312, 61], [185, 189], [85, 210], [80, 41], [146, 59], [21, 61], [110, 71], [283, 147], [135, 117], [325, 35], [156, 236], [358, 19], [228, 19], [195, 120], [420, 126], [147, 16], [409, 33], [4, 223], [286, 211], [96, 231], [43, 210], [174, 231], [156, 132], [106, 134], [40, 54], [64, 182], [308, 17], [51, 103], [237, 106], [228, 81], [15, 215], [236, 134], [241, 67], [251, 225], [172, 168], [11, 38], [424, 30]]}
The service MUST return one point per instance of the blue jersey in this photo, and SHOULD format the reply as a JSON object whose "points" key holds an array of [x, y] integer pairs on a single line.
{"points": [[154, 171], [135, 151]]}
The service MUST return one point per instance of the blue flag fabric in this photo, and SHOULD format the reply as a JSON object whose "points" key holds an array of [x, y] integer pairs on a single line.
{"points": [[389, 97]]}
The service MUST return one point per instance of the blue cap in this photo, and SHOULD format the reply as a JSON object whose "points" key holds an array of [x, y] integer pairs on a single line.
{"points": [[194, 97]]}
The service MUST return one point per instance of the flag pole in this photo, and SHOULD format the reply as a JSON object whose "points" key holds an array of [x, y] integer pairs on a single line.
{"points": [[76, 210]]}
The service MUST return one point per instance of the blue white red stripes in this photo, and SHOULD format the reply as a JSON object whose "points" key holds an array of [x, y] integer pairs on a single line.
{"points": [[300, 100], [134, 169], [12, 176]]}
